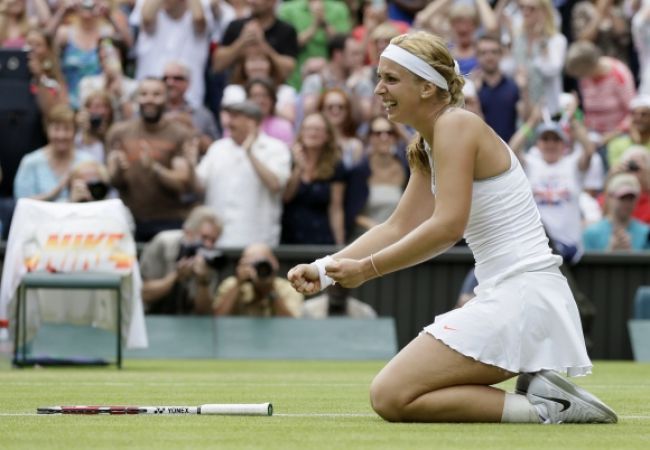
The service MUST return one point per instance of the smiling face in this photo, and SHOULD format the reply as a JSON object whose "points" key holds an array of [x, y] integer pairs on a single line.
{"points": [[551, 146], [257, 65], [314, 131], [60, 136], [151, 98], [382, 136], [399, 90], [335, 107], [260, 95], [531, 12], [488, 53]]}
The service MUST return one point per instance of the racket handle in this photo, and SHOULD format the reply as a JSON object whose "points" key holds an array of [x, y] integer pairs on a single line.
{"points": [[252, 409]]}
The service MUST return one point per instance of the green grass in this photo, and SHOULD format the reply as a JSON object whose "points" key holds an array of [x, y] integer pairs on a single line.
{"points": [[326, 405]]}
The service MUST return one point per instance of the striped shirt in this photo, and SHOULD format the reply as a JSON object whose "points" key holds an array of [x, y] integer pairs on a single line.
{"points": [[606, 98]]}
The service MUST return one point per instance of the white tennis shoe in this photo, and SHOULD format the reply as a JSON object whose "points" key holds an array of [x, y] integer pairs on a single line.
{"points": [[560, 401]]}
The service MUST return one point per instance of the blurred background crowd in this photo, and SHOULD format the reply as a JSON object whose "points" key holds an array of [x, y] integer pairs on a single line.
{"points": [[239, 123]]}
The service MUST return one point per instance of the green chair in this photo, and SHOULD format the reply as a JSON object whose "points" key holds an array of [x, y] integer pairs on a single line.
{"points": [[63, 281]]}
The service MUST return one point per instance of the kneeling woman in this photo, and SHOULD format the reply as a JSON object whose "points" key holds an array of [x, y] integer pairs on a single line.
{"points": [[466, 182]]}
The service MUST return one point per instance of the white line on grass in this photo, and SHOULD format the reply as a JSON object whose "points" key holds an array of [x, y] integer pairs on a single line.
{"points": [[215, 383], [326, 415], [333, 415]]}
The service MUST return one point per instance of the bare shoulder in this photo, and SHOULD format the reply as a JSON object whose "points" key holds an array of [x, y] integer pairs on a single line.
{"points": [[457, 119]]}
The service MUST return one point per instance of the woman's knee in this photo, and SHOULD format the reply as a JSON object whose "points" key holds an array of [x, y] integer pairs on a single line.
{"points": [[386, 399]]}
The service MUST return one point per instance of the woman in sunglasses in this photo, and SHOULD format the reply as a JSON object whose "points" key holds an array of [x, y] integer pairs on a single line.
{"points": [[335, 104], [379, 180]]}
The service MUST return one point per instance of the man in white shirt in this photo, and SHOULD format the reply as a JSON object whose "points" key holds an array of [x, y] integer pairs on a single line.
{"points": [[243, 177], [174, 30]]}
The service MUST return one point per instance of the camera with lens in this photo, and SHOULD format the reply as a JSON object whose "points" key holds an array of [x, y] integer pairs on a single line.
{"points": [[98, 189], [95, 121], [263, 268], [213, 257]]}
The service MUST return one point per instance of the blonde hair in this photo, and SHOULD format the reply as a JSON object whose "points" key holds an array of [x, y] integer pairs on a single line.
{"points": [[550, 27], [60, 113], [433, 50], [101, 169], [581, 56], [200, 215], [23, 23], [463, 11]]}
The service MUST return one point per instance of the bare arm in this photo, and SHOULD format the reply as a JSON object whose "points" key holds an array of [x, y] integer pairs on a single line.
{"points": [[43, 14], [292, 185], [120, 24], [434, 10], [588, 147], [224, 56], [335, 212], [57, 19], [198, 17], [413, 209], [149, 12], [454, 159], [269, 179], [280, 304], [487, 17], [284, 63], [520, 138], [153, 290], [228, 301], [177, 178], [590, 31]]}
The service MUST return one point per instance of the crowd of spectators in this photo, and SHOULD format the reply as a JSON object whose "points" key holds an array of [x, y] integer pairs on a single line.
{"points": [[262, 113]]}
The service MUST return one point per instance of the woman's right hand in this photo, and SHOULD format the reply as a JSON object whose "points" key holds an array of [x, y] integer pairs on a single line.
{"points": [[305, 279]]}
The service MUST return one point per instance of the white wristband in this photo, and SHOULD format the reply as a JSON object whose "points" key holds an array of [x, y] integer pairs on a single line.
{"points": [[320, 264]]}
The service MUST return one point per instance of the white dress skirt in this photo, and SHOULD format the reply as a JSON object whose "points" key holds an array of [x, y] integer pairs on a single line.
{"points": [[523, 323]]}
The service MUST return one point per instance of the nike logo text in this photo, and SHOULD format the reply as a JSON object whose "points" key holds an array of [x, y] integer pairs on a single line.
{"points": [[565, 403]]}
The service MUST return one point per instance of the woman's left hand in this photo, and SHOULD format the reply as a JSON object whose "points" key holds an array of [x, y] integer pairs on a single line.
{"points": [[349, 273]]}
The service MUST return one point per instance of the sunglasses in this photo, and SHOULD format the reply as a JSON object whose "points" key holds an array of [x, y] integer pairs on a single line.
{"points": [[550, 137], [332, 106], [379, 132], [174, 78]]}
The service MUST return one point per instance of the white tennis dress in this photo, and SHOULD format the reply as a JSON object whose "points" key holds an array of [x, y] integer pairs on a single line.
{"points": [[524, 317]]}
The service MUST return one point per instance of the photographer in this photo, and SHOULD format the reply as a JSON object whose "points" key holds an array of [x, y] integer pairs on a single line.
{"points": [[180, 267], [88, 182], [336, 301], [255, 289], [93, 121]]}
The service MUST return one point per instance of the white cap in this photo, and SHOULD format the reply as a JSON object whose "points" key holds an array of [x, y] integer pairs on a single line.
{"points": [[640, 101]]}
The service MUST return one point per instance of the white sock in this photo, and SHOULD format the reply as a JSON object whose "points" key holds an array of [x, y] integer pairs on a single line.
{"points": [[517, 409]]}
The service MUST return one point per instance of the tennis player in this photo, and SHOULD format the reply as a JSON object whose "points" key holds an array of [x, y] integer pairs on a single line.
{"points": [[466, 182]]}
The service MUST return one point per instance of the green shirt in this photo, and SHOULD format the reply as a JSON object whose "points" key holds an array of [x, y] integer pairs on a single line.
{"points": [[617, 147], [296, 12]]}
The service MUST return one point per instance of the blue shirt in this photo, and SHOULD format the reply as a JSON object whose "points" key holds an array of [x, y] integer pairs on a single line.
{"points": [[499, 106], [35, 176], [597, 235]]}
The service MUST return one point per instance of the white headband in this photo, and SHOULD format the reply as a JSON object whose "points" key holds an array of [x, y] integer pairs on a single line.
{"points": [[416, 65]]}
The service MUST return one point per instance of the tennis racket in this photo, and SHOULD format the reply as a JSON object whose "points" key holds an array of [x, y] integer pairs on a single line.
{"points": [[249, 409]]}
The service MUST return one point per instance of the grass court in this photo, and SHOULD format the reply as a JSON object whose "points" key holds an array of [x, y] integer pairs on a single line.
{"points": [[317, 405]]}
